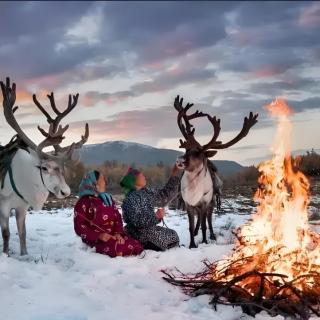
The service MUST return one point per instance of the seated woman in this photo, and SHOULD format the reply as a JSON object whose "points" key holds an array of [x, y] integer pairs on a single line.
{"points": [[138, 210], [98, 222]]}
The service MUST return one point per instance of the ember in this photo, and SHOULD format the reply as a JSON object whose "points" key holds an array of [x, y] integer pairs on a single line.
{"points": [[275, 265]]}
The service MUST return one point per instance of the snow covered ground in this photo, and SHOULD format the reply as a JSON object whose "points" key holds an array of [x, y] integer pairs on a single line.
{"points": [[61, 279]]}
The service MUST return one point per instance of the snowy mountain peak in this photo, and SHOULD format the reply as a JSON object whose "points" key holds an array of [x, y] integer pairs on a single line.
{"points": [[140, 154], [119, 143]]}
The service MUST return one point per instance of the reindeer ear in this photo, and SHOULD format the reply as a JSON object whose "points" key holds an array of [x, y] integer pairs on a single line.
{"points": [[210, 153]]}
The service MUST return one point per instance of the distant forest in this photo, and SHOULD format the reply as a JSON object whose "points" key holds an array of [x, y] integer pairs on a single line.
{"points": [[158, 174], [308, 163], [114, 170]]}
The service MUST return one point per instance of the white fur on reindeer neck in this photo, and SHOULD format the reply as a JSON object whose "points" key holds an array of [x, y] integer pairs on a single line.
{"points": [[196, 186], [34, 191]]}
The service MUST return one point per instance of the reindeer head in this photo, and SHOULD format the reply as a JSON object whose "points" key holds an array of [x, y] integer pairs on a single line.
{"points": [[50, 165], [196, 154]]}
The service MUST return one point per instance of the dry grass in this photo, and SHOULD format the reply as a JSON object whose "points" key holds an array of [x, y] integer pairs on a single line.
{"points": [[238, 197]]}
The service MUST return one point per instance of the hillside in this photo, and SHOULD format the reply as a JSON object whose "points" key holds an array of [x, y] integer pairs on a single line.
{"points": [[130, 152]]}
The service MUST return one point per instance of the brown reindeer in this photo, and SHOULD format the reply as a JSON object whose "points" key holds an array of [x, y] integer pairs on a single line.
{"points": [[200, 182]]}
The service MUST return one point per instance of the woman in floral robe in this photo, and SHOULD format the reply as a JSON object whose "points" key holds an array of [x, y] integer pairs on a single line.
{"points": [[98, 222]]}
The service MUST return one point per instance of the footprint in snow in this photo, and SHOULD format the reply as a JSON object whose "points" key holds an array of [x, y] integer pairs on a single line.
{"points": [[55, 234]]}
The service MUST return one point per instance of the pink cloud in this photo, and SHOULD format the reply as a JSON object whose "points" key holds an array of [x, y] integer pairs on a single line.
{"points": [[136, 125], [266, 72], [50, 81], [310, 16], [23, 96], [90, 98], [155, 66], [244, 37], [176, 71], [110, 101], [170, 45], [87, 101]]}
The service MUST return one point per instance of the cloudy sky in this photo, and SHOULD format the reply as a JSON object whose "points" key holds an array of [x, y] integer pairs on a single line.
{"points": [[128, 61]]}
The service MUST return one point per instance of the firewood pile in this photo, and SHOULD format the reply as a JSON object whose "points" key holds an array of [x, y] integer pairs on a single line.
{"points": [[253, 291]]}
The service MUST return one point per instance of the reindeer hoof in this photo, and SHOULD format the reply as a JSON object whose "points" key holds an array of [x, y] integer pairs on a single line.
{"points": [[192, 245], [6, 253], [205, 241], [213, 237]]}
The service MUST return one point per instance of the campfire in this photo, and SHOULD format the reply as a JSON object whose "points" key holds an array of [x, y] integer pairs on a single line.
{"points": [[275, 265]]}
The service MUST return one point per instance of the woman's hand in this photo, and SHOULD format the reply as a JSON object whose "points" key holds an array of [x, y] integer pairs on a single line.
{"points": [[106, 237], [119, 238], [160, 213], [175, 170]]}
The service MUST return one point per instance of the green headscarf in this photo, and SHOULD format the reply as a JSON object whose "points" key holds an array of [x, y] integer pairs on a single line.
{"points": [[128, 182]]}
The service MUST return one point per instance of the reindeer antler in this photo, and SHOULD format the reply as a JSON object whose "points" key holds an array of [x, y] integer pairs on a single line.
{"points": [[216, 131], [248, 123], [9, 99], [73, 100], [188, 130], [67, 151], [57, 130], [54, 136]]}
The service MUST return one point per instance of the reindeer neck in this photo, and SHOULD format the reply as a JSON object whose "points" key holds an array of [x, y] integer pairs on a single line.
{"points": [[26, 179], [198, 172], [196, 187], [193, 176]]}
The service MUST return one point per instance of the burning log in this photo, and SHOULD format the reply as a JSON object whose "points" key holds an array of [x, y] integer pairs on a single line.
{"points": [[270, 292], [275, 265]]}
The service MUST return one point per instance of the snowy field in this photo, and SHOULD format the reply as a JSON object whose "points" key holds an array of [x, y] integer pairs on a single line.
{"points": [[61, 279]]}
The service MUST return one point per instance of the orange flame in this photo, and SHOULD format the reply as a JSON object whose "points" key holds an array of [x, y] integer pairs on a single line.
{"points": [[278, 239], [279, 107]]}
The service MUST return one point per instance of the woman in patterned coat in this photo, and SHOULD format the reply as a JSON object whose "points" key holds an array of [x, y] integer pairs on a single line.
{"points": [[98, 222], [139, 214]]}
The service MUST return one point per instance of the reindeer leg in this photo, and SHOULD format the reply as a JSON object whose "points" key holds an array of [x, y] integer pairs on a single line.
{"points": [[209, 217], [218, 199], [191, 228], [198, 224], [203, 216], [4, 221], [21, 225]]}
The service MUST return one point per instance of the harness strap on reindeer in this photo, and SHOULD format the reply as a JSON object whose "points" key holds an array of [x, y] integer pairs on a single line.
{"points": [[14, 187], [7, 152]]}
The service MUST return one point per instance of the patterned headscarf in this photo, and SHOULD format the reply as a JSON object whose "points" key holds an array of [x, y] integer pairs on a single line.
{"points": [[88, 187], [128, 182]]}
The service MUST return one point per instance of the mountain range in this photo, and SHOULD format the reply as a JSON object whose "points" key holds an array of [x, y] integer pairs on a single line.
{"points": [[140, 154]]}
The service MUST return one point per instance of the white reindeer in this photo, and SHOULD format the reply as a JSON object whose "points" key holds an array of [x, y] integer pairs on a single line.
{"points": [[27, 173], [200, 182]]}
